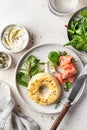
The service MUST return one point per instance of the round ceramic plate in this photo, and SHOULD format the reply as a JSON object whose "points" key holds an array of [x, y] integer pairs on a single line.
{"points": [[41, 52]]}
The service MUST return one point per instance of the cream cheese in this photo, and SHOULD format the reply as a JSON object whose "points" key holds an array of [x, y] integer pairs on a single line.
{"points": [[15, 38]]}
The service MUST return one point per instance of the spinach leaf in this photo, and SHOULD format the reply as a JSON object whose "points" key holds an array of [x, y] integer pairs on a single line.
{"points": [[54, 58], [60, 53]]}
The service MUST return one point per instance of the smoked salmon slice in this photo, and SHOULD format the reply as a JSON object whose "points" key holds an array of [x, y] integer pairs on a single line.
{"points": [[71, 79], [58, 76], [68, 70], [65, 60]]}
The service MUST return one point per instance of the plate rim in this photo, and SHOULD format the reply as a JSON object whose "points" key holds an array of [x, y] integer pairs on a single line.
{"points": [[15, 72]]}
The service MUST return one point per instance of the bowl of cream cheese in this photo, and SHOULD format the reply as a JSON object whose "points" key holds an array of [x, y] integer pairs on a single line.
{"points": [[15, 38]]}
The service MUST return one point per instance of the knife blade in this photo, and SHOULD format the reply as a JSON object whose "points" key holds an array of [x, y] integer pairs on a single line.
{"points": [[76, 87]]}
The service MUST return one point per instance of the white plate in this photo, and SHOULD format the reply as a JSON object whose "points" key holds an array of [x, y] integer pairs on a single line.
{"points": [[41, 52]]}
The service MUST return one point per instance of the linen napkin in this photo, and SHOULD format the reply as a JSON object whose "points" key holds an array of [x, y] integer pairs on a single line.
{"points": [[10, 120]]}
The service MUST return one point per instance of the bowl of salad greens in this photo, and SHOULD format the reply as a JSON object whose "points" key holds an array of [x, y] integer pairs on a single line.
{"points": [[77, 31]]}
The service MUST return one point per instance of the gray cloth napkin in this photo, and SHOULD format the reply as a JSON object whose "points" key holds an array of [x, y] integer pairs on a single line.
{"points": [[9, 120]]}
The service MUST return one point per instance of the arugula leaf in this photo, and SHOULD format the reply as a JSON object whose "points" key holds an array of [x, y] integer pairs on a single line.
{"points": [[83, 13], [84, 48], [71, 31], [79, 46], [78, 32], [73, 26]]}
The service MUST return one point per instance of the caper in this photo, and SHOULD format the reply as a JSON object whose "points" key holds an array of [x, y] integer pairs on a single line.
{"points": [[1, 65], [6, 65], [3, 60]]}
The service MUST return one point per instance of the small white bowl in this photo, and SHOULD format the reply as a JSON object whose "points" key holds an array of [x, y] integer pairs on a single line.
{"points": [[62, 7], [9, 60], [25, 44]]}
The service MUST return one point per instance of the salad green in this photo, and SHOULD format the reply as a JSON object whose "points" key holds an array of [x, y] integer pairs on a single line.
{"points": [[78, 32], [32, 66], [28, 70], [54, 57], [67, 86], [22, 79]]}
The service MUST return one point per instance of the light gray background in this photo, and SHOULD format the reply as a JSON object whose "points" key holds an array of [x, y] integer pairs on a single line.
{"points": [[46, 28]]}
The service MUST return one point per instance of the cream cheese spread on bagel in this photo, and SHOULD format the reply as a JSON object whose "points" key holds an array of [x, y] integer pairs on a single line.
{"points": [[42, 80]]}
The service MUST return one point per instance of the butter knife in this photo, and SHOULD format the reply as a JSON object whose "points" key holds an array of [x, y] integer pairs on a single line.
{"points": [[76, 88]]}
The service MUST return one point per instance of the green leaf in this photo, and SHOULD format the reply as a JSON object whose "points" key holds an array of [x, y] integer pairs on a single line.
{"points": [[72, 25], [57, 104], [71, 31], [67, 86], [78, 32], [28, 70], [22, 79], [79, 46], [32, 60], [84, 48], [71, 43], [83, 13], [53, 57], [34, 71], [59, 53]]}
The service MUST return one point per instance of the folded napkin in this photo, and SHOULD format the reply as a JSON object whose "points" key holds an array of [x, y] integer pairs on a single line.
{"points": [[9, 120]]}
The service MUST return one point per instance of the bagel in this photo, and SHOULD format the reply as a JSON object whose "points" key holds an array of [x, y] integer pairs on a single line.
{"points": [[44, 80]]}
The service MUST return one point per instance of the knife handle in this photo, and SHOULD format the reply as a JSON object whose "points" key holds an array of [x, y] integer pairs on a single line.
{"points": [[61, 115]]}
